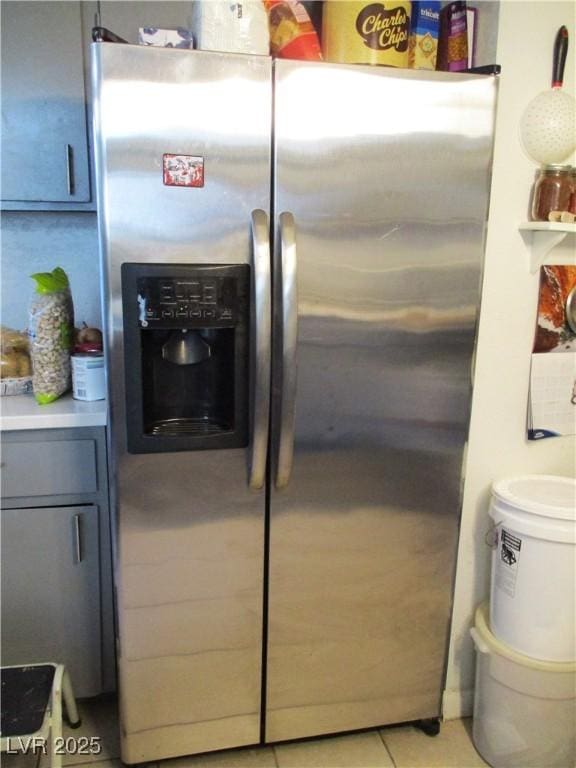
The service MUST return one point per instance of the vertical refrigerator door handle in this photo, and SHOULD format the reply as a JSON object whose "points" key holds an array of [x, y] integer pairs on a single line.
{"points": [[289, 333], [261, 330]]}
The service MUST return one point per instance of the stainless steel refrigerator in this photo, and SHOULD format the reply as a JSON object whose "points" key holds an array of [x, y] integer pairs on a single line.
{"points": [[285, 570]]}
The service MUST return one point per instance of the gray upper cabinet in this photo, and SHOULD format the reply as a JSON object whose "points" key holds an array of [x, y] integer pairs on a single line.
{"points": [[44, 148], [45, 85]]}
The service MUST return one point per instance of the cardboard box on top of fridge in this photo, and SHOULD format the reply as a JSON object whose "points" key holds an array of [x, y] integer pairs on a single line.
{"points": [[219, 25], [453, 39], [424, 28], [165, 38]]}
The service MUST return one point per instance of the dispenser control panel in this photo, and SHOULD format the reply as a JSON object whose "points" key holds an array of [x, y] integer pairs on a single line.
{"points": [[195, 301], [186, 391]]}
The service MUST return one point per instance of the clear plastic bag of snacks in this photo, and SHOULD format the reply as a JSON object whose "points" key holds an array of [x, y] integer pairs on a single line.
{"points": [[51, 330]]}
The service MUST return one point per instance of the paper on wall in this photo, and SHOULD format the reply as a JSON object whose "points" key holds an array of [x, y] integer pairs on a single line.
{"points": [[552, 408]]}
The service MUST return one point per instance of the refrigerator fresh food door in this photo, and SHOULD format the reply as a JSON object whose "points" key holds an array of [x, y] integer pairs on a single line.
{"points": [[381, 199], [183, 169]]}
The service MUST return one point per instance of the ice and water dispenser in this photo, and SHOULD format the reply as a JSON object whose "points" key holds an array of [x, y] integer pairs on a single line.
{"points": [[186, 350]]}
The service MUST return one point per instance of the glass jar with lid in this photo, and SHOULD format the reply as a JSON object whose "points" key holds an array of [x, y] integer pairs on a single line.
{"points": [[572, 201], [551, 191]]}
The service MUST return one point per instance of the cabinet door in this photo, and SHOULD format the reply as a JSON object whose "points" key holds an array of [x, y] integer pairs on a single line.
{"points": [[44, 139], [51, 591]]}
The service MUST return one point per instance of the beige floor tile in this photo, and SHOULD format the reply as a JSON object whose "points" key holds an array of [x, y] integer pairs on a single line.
{"points": [[452, 748], [262, 757], [359, 750], [115, 764], [20, 760]]}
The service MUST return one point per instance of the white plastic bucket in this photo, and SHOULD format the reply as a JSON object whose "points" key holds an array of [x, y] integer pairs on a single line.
{"points": [[524, 709], [533, 588]]}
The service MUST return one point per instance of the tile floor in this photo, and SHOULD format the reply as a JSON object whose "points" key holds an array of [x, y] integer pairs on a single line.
{"points": [[392, 747]]}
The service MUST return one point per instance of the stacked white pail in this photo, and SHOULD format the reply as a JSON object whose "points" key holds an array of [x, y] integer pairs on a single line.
{"points": [[525, 695]]}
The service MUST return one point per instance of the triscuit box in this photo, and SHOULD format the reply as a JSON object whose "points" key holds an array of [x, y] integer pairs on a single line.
{"points": [[165, 38], [424, 28]]}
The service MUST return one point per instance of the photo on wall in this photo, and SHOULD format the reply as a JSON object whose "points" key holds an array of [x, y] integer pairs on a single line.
{"points": [[552, 397]]}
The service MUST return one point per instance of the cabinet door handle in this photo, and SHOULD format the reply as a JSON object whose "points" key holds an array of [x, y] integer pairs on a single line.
{"points": [[77, 540], [70, 169]]}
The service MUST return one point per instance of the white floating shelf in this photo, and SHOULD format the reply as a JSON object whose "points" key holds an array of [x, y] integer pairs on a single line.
{"points": [[541, 237]]}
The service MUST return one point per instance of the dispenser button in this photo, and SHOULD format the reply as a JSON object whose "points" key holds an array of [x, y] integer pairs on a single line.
{"points": [[209, 292], [195, 312], [228, 291], [167, 314], [209, 314], [225, 314]]}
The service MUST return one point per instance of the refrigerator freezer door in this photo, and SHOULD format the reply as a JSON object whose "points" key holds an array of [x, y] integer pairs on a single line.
{"points": [[386, 174], [183, 159]]}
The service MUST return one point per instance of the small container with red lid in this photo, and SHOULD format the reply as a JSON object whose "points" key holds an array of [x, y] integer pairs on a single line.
{"points": [[88, 373]]}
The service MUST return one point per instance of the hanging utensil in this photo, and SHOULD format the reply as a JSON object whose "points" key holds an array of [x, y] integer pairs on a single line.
{"points": [[547, 127]]}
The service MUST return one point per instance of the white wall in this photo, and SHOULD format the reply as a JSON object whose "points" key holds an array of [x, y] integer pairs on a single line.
{"points": [[497, 444], [37, 241]]}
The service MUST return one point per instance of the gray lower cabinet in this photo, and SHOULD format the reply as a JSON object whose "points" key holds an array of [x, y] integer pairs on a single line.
{"points": [[51, 590], [56, 573], [45, 158]]}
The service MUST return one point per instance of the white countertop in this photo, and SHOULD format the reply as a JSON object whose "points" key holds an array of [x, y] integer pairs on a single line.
{"points": [[23, 412]]}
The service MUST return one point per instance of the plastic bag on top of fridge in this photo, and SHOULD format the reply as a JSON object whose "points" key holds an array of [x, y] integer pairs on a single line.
{"points": [[292, 34], [219, 25]]}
